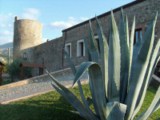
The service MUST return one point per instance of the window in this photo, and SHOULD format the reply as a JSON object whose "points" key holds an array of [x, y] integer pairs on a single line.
{"points": [[68, 49], [97, 42], [138, 35], [80, 48]]}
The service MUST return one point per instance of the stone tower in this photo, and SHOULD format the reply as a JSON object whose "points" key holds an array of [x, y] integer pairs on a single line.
{"points": [[27, 34]]}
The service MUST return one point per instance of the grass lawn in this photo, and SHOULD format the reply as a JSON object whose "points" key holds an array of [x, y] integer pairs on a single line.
{"points": [[52, 106]]}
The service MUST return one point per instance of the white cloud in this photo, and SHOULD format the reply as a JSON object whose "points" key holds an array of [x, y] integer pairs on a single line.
{"points": [[61, 24], [31, 13], [6, 27], [68, 23]]}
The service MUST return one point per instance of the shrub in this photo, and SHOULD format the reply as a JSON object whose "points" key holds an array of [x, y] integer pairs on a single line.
{"points": [[14, 69]]}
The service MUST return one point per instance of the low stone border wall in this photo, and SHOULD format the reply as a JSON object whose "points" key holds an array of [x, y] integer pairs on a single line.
{"points": [[34, 86]]}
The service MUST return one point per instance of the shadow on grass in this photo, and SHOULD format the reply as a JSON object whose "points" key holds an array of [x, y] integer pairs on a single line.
{"points": [[38, 110]]}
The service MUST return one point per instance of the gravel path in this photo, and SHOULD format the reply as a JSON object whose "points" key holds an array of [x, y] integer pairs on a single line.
{"points": [[33, 88]]}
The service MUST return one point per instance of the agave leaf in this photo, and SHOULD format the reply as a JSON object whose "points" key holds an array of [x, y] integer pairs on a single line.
{"points": [[102, 39], [116, 111], [124, 45], [157, 107], [155, 65], [73, 68], [104, 54], [82, 69], [131, 48], [98, 90], [131, 42], [114, 62], [73, 100], [97, 86], [152, 107], [140, 68], [93, 47], [147, 77], [136, 50], [76, 104], [87, 50], [155, 56], [127, 31], [147, 48]]}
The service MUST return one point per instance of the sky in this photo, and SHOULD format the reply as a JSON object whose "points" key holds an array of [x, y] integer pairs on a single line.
{"points": [[55, 15]]}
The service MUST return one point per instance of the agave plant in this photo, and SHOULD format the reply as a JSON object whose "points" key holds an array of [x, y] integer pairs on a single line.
{"points": [[119, 73]]}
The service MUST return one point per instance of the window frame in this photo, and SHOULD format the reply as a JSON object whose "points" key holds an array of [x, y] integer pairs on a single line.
{"points": [[138, 33], [66, 45], [96, 37], [78, 48]]}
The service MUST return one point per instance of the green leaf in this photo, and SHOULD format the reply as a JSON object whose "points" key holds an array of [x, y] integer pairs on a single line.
{"points": [[131, 48], [98, 90], [149, 40], [73, 68], [116, 111], [157, 107], [87, 50], [131, 42], [103, 54], [93, 47], [96, 86], [82, 69], [147, 77], [124, 45], [139, 69], [114, 62]]}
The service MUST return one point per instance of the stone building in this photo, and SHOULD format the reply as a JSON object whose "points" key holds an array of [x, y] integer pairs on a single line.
{"points": [[51, 54], [27, 34]]}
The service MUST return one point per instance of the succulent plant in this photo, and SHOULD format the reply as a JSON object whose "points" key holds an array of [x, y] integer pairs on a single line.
{"points": [[119, 73]]}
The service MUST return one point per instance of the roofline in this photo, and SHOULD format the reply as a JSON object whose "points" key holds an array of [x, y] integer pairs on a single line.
{"points": [[107, 13]]}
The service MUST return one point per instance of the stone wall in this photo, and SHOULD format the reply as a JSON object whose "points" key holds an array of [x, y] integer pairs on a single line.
{"points": [[51, 53], [144, 11]]}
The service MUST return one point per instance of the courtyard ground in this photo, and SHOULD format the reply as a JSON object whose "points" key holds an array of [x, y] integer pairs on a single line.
{"points": [[52, 106]]}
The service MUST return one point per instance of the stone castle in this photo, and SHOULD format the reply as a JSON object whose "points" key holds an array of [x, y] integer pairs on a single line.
{"points": [[28, 37]]}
